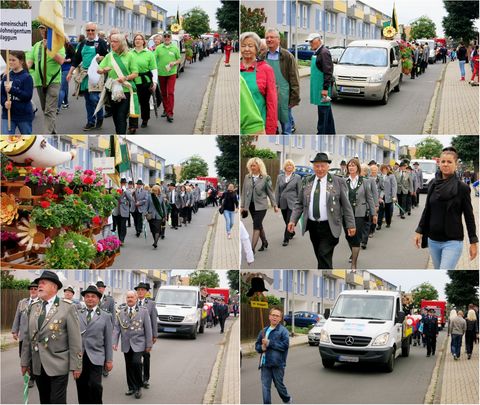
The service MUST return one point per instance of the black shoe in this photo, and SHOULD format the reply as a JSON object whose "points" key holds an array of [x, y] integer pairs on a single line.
{"points": [[146, 384], [88, 127], [130, 392], [170, 118], [107, 115], [264, 246], [105, 373], [285, 243], [138, 394], [154, 245], [379, 227], [132, 131], [402, 216], [468, 357], [31, 382], [428, 355], [388, 225], [409, 213], [162, 237], [164, 114], [144, 124], [137, 234], [363, 245], [99, 124]]}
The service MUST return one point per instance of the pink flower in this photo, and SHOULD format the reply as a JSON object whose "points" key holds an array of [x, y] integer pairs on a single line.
{"points": [[99, 248], [89, 172], [78, 168]]}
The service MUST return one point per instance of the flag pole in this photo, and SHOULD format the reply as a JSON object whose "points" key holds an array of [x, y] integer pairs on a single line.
{"points": [[9, 111]]}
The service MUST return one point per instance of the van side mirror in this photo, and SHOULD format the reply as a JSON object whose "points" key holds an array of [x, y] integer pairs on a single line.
{"points": [[400, 317], [335, 59], [395, 63], [326, 313]]}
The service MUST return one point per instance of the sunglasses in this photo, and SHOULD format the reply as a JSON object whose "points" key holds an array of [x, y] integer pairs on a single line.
{"points": [[90, 30]]}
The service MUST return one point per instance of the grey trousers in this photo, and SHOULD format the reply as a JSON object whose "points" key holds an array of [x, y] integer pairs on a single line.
{"points": [[49, 102]]}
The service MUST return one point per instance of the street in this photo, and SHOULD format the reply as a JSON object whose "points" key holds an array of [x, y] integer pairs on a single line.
{"points": [[189, 91], [176, 362], [308, 382], [405, 112], [181, 248], [390, 248]]}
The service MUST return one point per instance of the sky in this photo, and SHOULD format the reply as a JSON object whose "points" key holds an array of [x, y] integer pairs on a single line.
{"points": [[412, 140], [209, 6], [409, 279], [221, 273], [176, 148]]}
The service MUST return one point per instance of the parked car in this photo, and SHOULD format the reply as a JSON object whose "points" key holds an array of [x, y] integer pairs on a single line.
{"points": [[303, 319], [302, 171], [304, 51], [314, 333]]}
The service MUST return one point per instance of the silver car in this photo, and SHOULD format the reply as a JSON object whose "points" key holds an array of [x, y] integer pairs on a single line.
{"points": [[314, 333]]}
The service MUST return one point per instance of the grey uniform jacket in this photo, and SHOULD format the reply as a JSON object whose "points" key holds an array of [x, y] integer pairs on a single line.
{"points": [[286, 194], [136, 332], [374, 181], [97, 335], [125, 201], [107, 303], [419, 175], [188, 199], [388, 186], [405, 184], [197, 192], [140, 197], [20, 322], [150, 208], [257, 193], [151, 307], [178, 199], [364, 204], [57, 345], [338, 206]]}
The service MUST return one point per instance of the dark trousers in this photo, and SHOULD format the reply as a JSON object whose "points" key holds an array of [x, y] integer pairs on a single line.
{"points": [[385, 210], [52, 390], [120, 112], [174, 215], [221, 320], [276, 374], [184, 214], [366, 229], [414, 70], [138, 220], [323, 243], [431, 343], [409, 202], [146, 366], [89, 385], [325, 123], [122, 227], [402, 202], [417, 197], [133, 365], [32, 376], [469, 340], [287, 213], [189, 214]]}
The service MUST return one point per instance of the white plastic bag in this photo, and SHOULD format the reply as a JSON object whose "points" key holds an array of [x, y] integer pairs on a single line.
{"points": [[93, 76]]}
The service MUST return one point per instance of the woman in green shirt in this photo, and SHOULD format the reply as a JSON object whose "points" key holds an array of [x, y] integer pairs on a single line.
{"points": [[122, 70]]}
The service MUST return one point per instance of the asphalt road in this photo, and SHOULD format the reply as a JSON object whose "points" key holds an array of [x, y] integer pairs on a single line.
{"points": [[189, 91], [181, 248], [180, 372], [308, 382], [390, 248], [405, 112]]}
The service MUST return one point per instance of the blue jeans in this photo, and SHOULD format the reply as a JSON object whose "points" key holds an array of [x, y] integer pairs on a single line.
{"points": [[456, 344], [275, 374], [461, 63], [287, 126], [63, 95], [445, 255], [325, 124], [229, 215], [91, 101], [25, 127]]}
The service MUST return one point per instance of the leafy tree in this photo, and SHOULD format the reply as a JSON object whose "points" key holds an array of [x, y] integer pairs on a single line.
{"points": [[467, 148], [7, 281], [459, 22], [422, 27], [233, 279], [250, 150], [22, 4], [252, 20], [463, 288], [424, 291], [228, 16], [192, 167], [227, 162], [428, 148], [205, 278], [273, 301], [196, 22]]}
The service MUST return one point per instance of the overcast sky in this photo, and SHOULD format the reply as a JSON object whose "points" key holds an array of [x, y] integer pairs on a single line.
{"points": [[209, 6], [221, 273], [412, 140], [176, 148]]}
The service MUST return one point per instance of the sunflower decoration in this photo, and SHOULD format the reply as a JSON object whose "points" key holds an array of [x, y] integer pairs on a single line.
{"points": [[15, 143], [9, 209], [29, 234], [176, 27], [389, 32]]}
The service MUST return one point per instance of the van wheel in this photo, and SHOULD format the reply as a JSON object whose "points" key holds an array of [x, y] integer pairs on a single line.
{"points": [[311, 344], [327, 363], [386, 94], [390, 365], [193, 335], [396, 89]]}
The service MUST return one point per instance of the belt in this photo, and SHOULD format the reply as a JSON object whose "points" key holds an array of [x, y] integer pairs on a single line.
{"points": [[317, 221]]}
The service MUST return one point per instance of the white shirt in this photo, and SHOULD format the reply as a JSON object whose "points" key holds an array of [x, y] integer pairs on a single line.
{"points": [[49, 305], [94, 311], [255, 178], [287, 178], [32, 300], [353, 182], [323, 199]]}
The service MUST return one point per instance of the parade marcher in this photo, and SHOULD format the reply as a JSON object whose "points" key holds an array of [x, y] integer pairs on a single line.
{"points": [[411, 197], [156, 213], [175, 204], [46, 72], [415, 61], [377, 183], [96, 329], [371, 184], [286, 77], [260, 80], [122, 211], [272, 344], [185, 201], [140, 198], [287, 191], [122, 70], [92, 48], [324, 203], [448, 199], [20, 88], [462, 56], [321, 74], [107, 303], [430, 331], [456, 329], [388, 196], [419, 175], [133, 325], [131, 189], [228, 50], [257, 189], [20, 322], [471, 333], [168, 59], [53, 342], [475, 66], [229, 207], [222, 314], [149, 304], [67, 64], [189, 202], [404, 187], [343, 169], [68, 294]]}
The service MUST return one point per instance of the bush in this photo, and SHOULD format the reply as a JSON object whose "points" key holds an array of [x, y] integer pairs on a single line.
{"points": [[7, 282], [70, 251], [299, 331]]}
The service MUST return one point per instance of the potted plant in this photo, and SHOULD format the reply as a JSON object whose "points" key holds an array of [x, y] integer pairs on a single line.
{"points": [[107, 249], [70, 251], [9, 241]]}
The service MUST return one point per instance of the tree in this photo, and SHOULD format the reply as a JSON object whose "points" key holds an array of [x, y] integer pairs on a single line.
{"points": [[463, 288], [424, 291], [233, 279], [422, 27], [228, 16], [459, 22], [7, 281], [196, 22], [250, 150], [227, 162], [205, 278], [192, 167], [22, 4], [252, 20], [428, 148], [467, 148]]}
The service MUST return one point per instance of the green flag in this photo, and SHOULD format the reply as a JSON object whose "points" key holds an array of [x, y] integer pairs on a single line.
{"points": [[394, 22]]}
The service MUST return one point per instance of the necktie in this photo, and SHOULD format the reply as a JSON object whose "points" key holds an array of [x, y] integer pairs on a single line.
{"points": [[130, 314], [316, 201], [141, 303], [43, 314], [89, 315]]}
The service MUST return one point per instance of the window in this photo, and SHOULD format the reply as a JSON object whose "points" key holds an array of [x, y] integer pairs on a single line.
{"points": [[284, 12], [100, 13], [334, 22], [319, 286], [280, 280], [299, 141], [305, 16], [70, 6], [303, 277]]}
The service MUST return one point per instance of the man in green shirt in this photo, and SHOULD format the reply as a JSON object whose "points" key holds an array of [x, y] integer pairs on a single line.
{"points": [[168, 57], [47, 76]]}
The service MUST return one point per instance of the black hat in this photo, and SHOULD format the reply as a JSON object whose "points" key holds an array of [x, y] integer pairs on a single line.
{"points": [[91, 289], [172, 184], [372, 162], [257, 285], [100, 283], [343, 163], [69, 288], [143, 285], [416, 164], [403, 164], [123, 180], [51, 276], [431, 310], [130, 182], [33, 285], [321, 157], [140, 182]]}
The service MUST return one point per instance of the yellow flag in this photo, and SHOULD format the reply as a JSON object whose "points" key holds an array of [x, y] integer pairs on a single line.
{"points": [[51, 15]]}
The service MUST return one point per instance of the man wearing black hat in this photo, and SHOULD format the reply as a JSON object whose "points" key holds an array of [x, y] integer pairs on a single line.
{"points": [[68, 294], [140, 198], [324, 203], [404, 187], [149, 304], [53, 342], [130, 188], [343, 169], [419, 175], [107, 303], [175, 203], [121, 212], [430, 331], [20, 322], [96, 328], [223, 313]]}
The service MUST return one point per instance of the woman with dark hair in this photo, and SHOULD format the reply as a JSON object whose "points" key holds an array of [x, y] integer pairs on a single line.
{"points": [[440, 226], [67, 63], [387, 188], [229, 206], [156, 214]]}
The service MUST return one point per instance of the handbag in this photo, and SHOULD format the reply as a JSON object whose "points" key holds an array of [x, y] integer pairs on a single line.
{"points": [[221, 209], [148, 216], [244, 214]]}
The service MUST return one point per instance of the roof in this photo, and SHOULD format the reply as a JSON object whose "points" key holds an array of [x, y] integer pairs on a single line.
{"points": [[370, 292], [180, 287], [379, 43]]}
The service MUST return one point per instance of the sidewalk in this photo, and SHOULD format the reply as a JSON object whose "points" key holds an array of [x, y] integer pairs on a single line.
{"points": [[7, 340], [457, 108], [223, 252], [248, 346], [230, 386]]}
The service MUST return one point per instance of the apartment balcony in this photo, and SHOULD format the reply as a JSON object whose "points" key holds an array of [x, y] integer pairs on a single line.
{"points": [[353, 278], [336, 6], [137, 158], [373, 19], [340, 274], [355, 12], [128, 4], [140, 9], [379, 20], [369, 285], [374, 139]]}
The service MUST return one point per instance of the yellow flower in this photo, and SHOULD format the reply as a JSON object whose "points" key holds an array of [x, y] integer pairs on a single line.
{"points": [[9, 209]]}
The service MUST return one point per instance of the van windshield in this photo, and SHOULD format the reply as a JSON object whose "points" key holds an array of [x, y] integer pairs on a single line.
{"points": [[363, 307], [364, 56], [428, 167], [177, 297]]}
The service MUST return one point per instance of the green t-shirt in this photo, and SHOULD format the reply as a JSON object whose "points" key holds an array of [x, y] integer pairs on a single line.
{"points": [[128, 60], [164, 55], [52, 66], [145, 61], [251, 121]]}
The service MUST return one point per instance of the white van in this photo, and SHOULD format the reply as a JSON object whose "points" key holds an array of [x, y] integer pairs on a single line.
{"points": [[365, 326], [180, 310], [428, 168], [431, 48], [369, 70], [202, 185]]}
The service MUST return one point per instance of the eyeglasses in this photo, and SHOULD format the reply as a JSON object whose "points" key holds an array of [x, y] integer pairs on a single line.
{"points": [[90, 30]]}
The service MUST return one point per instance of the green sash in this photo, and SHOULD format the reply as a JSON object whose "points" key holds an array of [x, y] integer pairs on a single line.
{"points": [[134, 104]]}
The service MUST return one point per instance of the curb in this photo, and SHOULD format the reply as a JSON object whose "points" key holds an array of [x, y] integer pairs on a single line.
{"points": [[249, 348], [431, 391], [431, 115], [203, 261], [303, 72]]}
